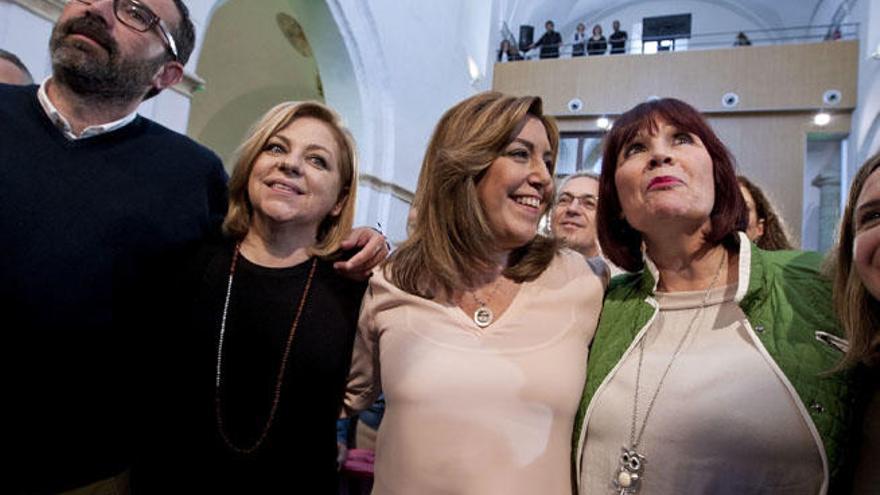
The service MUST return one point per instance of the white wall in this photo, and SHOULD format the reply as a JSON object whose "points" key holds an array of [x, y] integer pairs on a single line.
{"points": [[27, 36], [411, 62], [865, 135]]}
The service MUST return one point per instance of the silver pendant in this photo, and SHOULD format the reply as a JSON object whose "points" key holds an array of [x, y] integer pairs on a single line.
{"points": [[483, 316], [628, 478]]}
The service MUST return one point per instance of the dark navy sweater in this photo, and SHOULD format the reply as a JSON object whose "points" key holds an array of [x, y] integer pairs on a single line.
{"points": [[90, 229]]}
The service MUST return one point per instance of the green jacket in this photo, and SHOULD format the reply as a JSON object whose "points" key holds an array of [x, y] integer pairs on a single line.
{"points": [[790, 318]]}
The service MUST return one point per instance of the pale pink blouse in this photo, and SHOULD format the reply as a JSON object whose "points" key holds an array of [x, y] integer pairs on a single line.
{"points": [[471, 410]]}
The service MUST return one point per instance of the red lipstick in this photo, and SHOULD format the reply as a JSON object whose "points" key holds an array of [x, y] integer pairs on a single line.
{"points": [[663, 181]]}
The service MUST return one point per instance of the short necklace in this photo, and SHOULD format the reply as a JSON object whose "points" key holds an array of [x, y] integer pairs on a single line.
{"points": [[631, 464], [278, 381], [483, 315]]}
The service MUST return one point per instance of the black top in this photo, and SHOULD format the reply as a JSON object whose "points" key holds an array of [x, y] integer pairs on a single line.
{"points": [[549, 42], [87, 225], [300, 449], [596, 46], [617, 40]]}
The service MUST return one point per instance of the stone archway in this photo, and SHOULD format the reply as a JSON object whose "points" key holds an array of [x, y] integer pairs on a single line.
{"points": [[250, 63]]}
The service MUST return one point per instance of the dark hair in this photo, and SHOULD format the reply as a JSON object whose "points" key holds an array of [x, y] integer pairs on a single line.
{"points": [[621, 243], [774, 237], [14, 60], [184, 34]]}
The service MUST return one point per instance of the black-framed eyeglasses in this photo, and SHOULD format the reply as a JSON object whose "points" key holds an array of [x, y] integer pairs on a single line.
{"points": [[139, 17]]}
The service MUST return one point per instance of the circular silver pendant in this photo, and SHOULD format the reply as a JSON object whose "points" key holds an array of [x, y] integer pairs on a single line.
{"points": [[483, 317]]}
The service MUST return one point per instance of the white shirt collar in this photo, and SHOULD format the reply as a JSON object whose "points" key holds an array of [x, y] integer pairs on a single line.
{"points": [[63, 124]]}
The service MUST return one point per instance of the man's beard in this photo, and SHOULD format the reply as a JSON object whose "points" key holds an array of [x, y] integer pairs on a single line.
{"points": [[92, 76]]}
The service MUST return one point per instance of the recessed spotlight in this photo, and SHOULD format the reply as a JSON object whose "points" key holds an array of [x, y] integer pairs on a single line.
{"points": [[603, 123], [822, 118]]}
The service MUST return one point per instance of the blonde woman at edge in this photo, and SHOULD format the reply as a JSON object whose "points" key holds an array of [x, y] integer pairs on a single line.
{"points": [[857, 301], [476, 328]]}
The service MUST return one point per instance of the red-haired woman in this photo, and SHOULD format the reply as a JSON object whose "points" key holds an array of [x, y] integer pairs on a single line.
{"points": [[706, 372]]}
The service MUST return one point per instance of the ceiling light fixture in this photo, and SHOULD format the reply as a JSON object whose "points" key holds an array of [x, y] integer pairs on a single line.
{"points": [[822, 118]]}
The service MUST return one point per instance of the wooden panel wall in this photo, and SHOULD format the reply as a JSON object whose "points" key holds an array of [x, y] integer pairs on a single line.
{"points": [[784, 77]]}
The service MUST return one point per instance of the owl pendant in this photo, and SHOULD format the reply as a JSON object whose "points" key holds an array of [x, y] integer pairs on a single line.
{"points": [[628, 478]]}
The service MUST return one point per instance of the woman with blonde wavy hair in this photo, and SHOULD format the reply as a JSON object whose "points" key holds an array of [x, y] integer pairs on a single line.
{"points": [[477, 329], [856, 264], [271, 320]]}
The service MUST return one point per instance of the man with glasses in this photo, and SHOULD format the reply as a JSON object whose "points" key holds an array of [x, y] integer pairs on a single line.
{"points": [[573, 219], [574, 213], [93, 199]]}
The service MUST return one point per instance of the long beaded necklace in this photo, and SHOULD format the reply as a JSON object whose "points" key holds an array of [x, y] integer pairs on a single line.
{"points": [[631, 463], [278, 381]]}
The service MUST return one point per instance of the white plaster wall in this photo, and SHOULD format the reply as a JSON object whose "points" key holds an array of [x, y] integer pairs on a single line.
{"points": [[27, 36], [411, 62], [865, 135]]}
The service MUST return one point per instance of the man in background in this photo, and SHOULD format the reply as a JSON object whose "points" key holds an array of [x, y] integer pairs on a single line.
{"points": [[574, 215], [549, 42], [573, 219], [617, 39]]}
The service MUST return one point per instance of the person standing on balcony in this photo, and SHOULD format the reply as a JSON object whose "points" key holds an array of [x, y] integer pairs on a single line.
{"points": [[617, 39], [549, 42], [579, 48], [597, 43]]}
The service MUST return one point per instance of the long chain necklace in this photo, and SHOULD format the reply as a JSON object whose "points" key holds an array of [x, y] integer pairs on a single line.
{"points": [[483, 315], [280, 378], [631, 464]]}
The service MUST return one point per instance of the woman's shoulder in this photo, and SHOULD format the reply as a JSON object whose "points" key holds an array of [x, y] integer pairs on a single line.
{"points": [[569, 265]]}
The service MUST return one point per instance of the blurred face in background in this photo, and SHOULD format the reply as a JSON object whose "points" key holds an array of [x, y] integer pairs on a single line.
{"points": [[574, 215], [11, 74], [756, 225]]}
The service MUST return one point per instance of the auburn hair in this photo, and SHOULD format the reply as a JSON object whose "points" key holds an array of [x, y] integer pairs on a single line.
{"points": [[620, 242]]}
